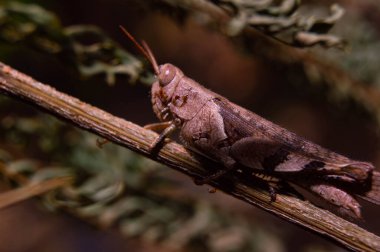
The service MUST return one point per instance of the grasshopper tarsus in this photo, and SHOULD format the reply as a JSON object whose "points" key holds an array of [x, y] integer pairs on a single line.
{"points": [[272, 193], [156, 146]]}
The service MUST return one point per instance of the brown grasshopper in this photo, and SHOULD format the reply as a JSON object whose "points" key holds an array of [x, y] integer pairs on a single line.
{"points": [[239, 139]]}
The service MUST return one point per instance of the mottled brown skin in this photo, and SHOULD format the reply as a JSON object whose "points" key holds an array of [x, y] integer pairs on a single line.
{"points": [[236, 137]]}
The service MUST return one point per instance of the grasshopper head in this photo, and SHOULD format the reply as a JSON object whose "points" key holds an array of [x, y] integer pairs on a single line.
{"points": [[163, 89], [168, 77]]}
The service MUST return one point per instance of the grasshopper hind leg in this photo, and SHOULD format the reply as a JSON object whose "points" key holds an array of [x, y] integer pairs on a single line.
{"points": [[272, 193], [275, 185]]}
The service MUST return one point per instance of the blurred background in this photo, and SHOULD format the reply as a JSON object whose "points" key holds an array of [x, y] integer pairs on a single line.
{"points": [[327, 91]]}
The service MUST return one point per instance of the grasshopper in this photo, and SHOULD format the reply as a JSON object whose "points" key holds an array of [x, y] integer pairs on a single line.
{"points": [[240, 139]]}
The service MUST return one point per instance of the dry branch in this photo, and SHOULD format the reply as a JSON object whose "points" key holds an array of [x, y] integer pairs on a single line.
{"points": [[136, 138]]}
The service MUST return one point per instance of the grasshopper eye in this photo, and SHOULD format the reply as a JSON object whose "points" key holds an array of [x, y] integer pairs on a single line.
{"points": [[166, 75]]}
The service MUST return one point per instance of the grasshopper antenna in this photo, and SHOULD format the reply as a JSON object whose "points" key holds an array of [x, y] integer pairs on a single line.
{"points": [[145, 50]]}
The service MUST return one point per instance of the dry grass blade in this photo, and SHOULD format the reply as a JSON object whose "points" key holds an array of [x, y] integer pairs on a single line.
{"points": [[11, 197]]}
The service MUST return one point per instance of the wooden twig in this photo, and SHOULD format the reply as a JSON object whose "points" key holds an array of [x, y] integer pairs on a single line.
{"points": [[136, 138]]}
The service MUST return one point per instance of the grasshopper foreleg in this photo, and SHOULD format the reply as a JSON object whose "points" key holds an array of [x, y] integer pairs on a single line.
{"points": [[168, 128]]}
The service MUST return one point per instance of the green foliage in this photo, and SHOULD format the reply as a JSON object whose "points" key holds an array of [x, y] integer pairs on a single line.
{"points": [[32, 24], [288, 21], [102, 55], [84, 46], [285, 22], [361, 60]]}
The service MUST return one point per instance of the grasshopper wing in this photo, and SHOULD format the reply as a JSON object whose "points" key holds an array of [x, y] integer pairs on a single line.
{"points": [[260, 144]]}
